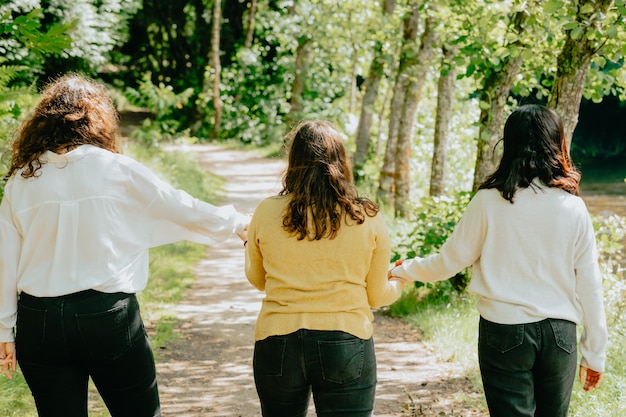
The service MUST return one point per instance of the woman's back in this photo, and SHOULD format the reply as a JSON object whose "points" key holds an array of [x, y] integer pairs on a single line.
{"points": [[317, 284]]}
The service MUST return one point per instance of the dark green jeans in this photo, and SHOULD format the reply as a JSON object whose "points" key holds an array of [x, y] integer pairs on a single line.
{"points": [[339, 368], [528, 369]]}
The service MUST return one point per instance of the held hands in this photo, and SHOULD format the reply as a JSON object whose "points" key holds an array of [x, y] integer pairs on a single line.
{"points": [[8, 360], [590, 378], [243, 233], [401, 280]]}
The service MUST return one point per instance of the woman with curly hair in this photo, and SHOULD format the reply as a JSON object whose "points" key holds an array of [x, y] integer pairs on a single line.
{"points": [[321, 254], [531, 242], [76, 222]]}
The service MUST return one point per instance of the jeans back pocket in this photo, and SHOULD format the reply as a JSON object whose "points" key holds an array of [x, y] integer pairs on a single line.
{"points": [[502, 337], [564, 334], [269, 356], [107, 334], [341, 360]]}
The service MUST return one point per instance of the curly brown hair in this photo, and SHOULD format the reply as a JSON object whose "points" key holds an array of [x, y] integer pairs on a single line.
{"points": [[74, 110], [319, 179]]}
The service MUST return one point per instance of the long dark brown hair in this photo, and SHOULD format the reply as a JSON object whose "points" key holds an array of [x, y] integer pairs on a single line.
{"points": [[319, 179], [534, 147], [73, 110]]}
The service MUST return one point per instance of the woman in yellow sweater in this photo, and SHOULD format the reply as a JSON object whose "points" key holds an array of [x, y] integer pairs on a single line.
{"points": [[321, 253]]}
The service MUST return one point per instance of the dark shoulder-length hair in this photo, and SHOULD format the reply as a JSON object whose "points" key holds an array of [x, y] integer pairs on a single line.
{"points": [[319, 181], [73, 110], [534, 147]]}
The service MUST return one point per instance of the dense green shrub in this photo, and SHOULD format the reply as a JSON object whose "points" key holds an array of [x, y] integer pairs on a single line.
{"points": [[162, 102], [426, 231]]}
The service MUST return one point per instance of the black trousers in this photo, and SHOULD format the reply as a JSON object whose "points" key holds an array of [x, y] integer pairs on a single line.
{"points": [[62, 341], [337, 367], [528, 369]]}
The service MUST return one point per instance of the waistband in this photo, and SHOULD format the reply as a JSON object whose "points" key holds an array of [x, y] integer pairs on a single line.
{"points": [[77, 296]]}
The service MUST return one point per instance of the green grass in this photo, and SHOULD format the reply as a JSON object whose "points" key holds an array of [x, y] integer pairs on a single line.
{"points": [[172, 272]]}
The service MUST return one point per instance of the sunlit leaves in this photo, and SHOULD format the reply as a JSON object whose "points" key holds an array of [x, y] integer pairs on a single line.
{"points": [[98, 26]]}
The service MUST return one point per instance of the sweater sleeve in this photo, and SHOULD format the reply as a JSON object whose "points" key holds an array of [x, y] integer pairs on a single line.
{"points": [[593, 340], [255, 272], [170, 215], [461, 250], [10, 247], [381, 291]]}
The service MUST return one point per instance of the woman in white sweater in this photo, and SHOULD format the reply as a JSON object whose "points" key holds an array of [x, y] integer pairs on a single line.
{"points": [[76, 222], [531, 242]]}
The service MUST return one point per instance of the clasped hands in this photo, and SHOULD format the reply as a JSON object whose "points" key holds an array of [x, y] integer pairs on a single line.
{"points": [[8, 360], [403, 281]]}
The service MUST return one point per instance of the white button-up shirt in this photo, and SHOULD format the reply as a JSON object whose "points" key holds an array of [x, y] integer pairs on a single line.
{"points": [[87, 220]]}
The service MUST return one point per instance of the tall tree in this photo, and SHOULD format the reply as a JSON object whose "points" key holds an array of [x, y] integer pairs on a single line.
{"points": [[494, 95], [303, 55], [412, 98], [372, 83], [250, 25], [583, 40], [217, 68], [445, 91], [408, 56]]}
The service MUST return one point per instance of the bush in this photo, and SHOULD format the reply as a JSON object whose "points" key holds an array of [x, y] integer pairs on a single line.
{"points": [[425, 233]]}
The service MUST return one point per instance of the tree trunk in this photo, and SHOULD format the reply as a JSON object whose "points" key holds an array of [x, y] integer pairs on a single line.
{"points": [[407, 121], [572, 67], [386, 187], [217, 68], [494, 93], [363, 133], [445, 90], [250, 27], [302, 61]]}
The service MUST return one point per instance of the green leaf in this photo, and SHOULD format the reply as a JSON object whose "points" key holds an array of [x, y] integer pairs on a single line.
{"points": [[587, 9], [576, 33], [551, 6]]}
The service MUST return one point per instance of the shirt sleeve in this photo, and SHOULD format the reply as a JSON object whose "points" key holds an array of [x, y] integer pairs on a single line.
{"points": [[381, 291], [255, 272], [594, 335], [170, 215], [10, 248], [462, 249]]}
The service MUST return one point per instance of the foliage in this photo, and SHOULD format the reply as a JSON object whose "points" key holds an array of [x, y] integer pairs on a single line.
{"points": [[26, 41], [423, 234], [162, 102], [610, 236], [23, 40], [257, 86], [98, 27]]}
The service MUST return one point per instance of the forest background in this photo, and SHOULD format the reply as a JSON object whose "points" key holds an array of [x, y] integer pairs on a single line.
{"points": [[420, 88]]}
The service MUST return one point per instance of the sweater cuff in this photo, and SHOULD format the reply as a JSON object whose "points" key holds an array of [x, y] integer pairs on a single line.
{"points": [[7, 335]]}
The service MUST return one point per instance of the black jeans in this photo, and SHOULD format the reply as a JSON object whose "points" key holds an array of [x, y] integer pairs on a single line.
{"points": [[528, 369], [339, 368], [62, 341]]}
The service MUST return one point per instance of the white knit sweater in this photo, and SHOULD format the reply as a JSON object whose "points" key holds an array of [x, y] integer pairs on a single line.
{"points": [[532, 260]]}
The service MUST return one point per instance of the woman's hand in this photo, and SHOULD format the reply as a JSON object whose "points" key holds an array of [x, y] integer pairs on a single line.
{"points": [[590, 378], [403, 281], [8, 360], [397, 263], [243, 233]]}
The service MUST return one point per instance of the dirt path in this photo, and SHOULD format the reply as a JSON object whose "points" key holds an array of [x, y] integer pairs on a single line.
{"points": [[208, 371]]}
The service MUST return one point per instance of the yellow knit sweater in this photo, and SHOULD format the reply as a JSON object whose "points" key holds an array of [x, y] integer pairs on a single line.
{"points": [[327, 284]]}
